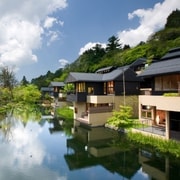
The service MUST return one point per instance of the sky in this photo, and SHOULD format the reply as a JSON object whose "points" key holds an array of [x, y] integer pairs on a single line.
{"points": [[45, 35]]}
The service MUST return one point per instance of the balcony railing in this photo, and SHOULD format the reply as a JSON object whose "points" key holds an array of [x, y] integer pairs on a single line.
{"points": [[147, 126], [100, 109], [93, 110], [149, 91]]}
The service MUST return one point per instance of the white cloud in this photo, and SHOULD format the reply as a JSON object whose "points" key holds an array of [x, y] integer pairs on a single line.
{"points": [[151, 20], [63, 62], [61, 23], [53, 36], [17, 40], [22, 30], [49, 21], [90, 45]]}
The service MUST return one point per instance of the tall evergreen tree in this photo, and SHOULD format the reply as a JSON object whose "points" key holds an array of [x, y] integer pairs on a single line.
{"points": [[113, 44], [24, 81]]}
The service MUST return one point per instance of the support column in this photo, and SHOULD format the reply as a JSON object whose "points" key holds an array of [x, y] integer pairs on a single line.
{"points": [[140, 109], [167, 125], [167, 167]]}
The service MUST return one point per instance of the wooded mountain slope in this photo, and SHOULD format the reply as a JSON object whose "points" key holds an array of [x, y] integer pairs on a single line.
{"points": [[114, 54]]}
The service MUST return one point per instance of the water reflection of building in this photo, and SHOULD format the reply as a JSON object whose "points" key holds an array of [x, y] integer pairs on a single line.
{"points": [[55, 125], [94, 146], [159, 167]]}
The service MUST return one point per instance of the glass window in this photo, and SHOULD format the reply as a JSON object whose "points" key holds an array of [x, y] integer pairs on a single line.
{"points": [[167, 82], [80, 87], [146, 112], [110, 87], [105, 91], [90, 90]]}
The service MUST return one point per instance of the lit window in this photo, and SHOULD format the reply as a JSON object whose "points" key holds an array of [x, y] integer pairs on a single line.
{"points": [[90, 90], [110, 87], [80, 87]]}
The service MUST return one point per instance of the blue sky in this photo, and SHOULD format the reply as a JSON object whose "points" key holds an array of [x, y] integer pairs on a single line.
{"points": [[44, 35]]}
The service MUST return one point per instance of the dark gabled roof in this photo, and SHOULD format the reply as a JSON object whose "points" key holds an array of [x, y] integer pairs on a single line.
{"points": [[106, 69], [46, 89], [138, 62], [96, 77], [168, 64], [55, 84], [82, 77], [173, 53], [114, 74], [162, 67]]}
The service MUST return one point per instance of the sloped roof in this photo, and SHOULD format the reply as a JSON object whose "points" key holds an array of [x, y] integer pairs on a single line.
{"points": [[114, 74], [60, 84], [106, 69], [138, 62], [96, 77], [46, 89], [78, 76], [165, 65], [173, 53]]}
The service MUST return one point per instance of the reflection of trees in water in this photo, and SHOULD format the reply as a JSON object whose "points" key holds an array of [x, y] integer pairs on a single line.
{"points": [[19, 114], [6, 126], [27, 113]]}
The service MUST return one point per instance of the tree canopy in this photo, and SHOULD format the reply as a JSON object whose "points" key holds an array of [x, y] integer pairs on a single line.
{"points": [[113, 44], [7, 77]]}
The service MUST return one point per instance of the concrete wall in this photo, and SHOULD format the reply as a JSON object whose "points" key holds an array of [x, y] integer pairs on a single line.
{"points": [[129, 101], [117, 101], [161, 102], [78, 109], [99, 119]]}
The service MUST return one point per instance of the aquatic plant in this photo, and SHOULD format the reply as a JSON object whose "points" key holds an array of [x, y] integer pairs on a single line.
{"points": [[162, 145]]}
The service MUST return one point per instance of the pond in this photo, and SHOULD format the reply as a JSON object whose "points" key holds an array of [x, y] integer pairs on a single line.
{"points": [[46, 149]]}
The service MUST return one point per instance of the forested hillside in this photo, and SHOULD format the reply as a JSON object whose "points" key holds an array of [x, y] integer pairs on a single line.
{"points": [[114, 54]]}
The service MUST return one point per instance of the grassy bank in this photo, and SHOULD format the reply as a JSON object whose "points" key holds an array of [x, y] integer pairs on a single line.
{"points": [[65, 113], [164, 146]]}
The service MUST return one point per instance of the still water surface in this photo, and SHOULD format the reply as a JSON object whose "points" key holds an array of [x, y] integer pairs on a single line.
{"points": [[44, 150]]}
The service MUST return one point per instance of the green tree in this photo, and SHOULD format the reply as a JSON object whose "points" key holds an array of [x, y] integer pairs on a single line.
{"points": [[26, 94], [68, 88], [24, 81], [5, 96], [173, 20], [113, 44], [122, 118], [89, 59], [7, 78]]}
